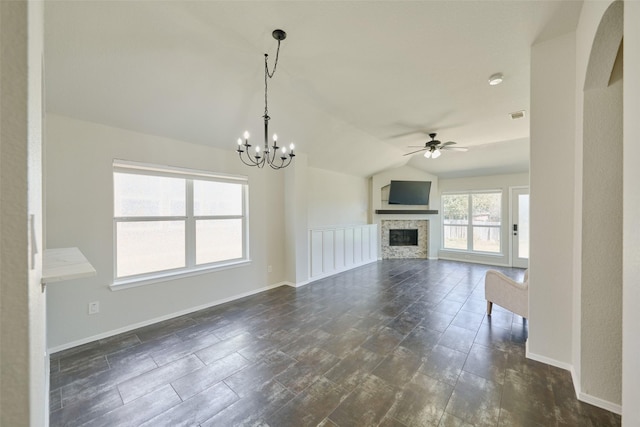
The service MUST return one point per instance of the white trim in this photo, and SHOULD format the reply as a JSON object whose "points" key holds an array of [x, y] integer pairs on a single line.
{"points": [[330, 258], [334, 272], [600, 403], [297, 285], [134, 326], [470, 225], [511, 220], [472, 261], [165, 277], [592, 400], [575, 378], [128, 166], [546, 360], [189, 219]]}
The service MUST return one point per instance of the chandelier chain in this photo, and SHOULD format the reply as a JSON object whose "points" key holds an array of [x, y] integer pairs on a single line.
{"points": [[269, 75]]}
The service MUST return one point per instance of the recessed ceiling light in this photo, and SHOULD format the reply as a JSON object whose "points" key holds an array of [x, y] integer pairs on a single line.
{"points": [[496, 79]]}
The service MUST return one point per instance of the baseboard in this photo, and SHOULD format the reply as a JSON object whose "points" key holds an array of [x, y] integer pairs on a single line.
{"points": [[128, 328], [592, 400], [472, 261], [547, 360], [298, 284], [600, 403], [575, 377], [333, 273]]}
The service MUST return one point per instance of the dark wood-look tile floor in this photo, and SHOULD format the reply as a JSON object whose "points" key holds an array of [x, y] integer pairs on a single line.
{"points": [[394, 343]]}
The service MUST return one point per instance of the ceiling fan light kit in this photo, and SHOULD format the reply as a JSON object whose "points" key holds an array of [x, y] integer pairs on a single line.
{"points": [[267, 155], [433, 149]]}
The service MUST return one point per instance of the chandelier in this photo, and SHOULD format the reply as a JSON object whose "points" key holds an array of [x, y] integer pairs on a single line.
{"points": [[274, 156]]}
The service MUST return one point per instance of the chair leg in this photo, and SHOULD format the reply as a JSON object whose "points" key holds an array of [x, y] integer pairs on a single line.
{"points": [[489, 307]]}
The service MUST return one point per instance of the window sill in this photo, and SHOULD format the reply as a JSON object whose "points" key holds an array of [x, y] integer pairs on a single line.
{"points": [[477, 253], [120, 285]]}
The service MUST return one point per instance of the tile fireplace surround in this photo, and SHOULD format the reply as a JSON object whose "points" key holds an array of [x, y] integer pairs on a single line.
{"points": [[419, 251]]}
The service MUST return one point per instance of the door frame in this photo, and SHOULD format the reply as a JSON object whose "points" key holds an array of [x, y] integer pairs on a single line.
{"points": [[513, 192]]}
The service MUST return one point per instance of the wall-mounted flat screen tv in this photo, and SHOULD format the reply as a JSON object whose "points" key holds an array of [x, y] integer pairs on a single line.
{"points": [[409, 192]]}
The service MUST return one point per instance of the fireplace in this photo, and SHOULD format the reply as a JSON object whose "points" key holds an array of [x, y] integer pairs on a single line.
{"points": [[403, 237]]}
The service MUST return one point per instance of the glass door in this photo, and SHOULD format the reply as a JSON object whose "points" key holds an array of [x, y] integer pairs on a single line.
{"points": [[520, 227]]}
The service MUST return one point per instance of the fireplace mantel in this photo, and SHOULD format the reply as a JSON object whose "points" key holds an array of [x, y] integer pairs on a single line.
{"points": [[406, 212]]}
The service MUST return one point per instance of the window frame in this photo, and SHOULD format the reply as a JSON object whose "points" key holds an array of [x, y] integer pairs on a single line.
{"points": [[470, 224], [190, 219]]}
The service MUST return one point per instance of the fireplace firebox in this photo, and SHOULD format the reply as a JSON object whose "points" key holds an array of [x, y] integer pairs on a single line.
{"points": [[403, 237]]}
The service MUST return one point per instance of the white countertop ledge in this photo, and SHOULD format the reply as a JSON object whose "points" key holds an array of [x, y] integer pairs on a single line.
{"points": [[65, 264]]}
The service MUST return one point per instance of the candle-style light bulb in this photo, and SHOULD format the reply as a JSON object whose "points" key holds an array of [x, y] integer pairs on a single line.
{"points": [[275, 137], [239, 141], [284, 150], [257, 149], [292, 146], [246, 134]]}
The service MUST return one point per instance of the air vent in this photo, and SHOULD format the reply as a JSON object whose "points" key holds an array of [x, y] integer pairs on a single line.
{"points": [[517, 115]]}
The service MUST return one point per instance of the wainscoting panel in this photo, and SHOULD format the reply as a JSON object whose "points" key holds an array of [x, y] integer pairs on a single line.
{"points": [[339, 247], [315, 251], [357, 246], [332, 250], [328, 249], [348, 248]]}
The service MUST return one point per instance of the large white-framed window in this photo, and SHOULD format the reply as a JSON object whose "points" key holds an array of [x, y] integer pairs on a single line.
{"points": [[170, 221], [472, 221]]}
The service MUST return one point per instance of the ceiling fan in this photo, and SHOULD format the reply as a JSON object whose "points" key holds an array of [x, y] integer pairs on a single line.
{"points": [[432, 148]]}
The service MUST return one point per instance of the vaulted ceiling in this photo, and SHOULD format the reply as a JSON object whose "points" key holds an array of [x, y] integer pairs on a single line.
{"points": [[357, 81]]}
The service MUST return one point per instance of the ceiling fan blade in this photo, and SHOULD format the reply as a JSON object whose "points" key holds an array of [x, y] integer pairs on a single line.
{"points": [[416, 146], [448, 143], [414, 152], [454, 148], [413, 132]]}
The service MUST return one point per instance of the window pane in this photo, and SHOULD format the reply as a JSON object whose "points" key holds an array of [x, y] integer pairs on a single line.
{"points": [[149, 246], [216, 198], [486, 208], [455, 237], [144, 195], [218, 240], [455, 208], [486, 239]]}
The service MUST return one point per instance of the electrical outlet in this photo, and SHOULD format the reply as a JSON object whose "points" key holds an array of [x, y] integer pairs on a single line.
{"points": [[269, 269], [94, 307]]}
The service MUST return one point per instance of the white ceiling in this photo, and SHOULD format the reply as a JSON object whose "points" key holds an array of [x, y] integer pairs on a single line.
{"points": [[357, 81]]}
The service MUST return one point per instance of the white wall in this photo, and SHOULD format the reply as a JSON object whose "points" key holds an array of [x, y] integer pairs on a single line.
{"points": [[23, 372], [549, 100], [407, 173], [631, 212], [336, 198], [601, 275], [491, 182], [296, 221], [79, 213], [553, 74]]}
